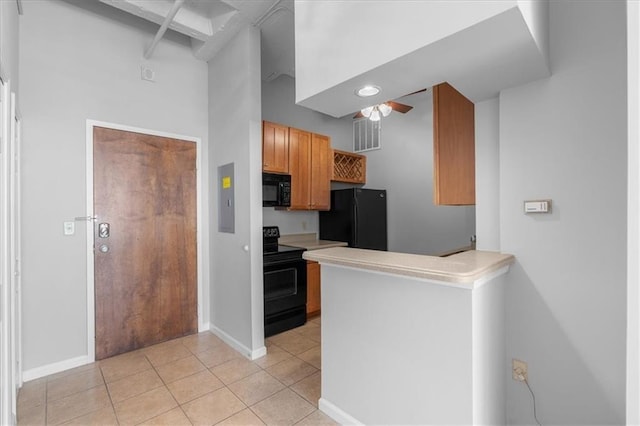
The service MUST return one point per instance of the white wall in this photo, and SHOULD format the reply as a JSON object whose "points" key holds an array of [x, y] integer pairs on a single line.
{"points": [[419, 23], [488, 175], [536, 15], [77, 65], [278, 105], [401, 366], [236, 137], [404, 167], [565, 138], [383, 369], [633, 214], [9, 42]]}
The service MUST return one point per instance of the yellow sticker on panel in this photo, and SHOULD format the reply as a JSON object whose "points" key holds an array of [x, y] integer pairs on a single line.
{"points": [[226, 182]]}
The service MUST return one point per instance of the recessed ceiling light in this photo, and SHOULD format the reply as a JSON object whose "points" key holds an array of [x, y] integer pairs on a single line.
{"points": [[368, 91]]}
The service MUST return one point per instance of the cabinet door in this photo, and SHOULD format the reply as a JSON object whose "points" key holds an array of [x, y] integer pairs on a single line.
{"points": [[321, 165], [453, 147], [275, 148], [299, 158], [313, 288]]}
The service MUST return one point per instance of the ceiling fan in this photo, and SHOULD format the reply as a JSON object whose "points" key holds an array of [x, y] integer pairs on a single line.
{"points": [[384, 109]]}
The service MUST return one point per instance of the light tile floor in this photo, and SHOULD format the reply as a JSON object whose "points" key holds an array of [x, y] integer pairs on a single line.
{"points": [[195, 380]]}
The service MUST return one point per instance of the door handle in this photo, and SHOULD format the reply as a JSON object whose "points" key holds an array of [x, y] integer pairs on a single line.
{"points": [[104, 230]]}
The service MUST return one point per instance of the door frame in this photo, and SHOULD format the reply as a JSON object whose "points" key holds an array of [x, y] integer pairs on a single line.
{"points": [[91, 323], [7, 316], [16, 250]]}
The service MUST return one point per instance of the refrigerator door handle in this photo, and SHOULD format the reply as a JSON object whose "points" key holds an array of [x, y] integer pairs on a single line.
{"points": [[354, 229]]}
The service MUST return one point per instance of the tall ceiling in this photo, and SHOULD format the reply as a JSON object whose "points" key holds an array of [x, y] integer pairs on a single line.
{"points": [[209, 25]]}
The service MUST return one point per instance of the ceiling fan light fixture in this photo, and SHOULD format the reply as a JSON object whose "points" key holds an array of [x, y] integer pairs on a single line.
{"points": [[369, 90], [384, 109], [375, 115], [367, 111]]}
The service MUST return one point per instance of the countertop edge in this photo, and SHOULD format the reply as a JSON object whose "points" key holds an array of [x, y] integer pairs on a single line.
{"points": [[455, 269], [314, 244]]}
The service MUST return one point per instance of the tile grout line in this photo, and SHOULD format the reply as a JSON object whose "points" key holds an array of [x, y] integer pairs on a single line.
{"points": [[76, 393], [166, 388], [224, 386], [113, 407], [46, 402], [169, 390], [291, 356], [289, 387], [247, 405]]}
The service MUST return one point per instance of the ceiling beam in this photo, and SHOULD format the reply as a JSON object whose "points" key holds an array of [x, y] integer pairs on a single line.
{"points": [[163, 28]]}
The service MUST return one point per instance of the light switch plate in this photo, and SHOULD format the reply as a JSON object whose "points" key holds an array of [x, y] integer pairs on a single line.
{"points": [[69, 228], [537, 206]]}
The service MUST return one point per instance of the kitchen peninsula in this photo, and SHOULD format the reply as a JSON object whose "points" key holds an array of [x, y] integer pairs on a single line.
{"points": [[412, 339]]}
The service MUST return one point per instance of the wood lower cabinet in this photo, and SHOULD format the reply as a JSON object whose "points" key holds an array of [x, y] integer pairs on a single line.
{"points": [[453, 147], [313, 288], [310, 163], [275, 148]]}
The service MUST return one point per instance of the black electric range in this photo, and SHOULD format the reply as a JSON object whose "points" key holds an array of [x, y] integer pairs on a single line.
{"points": [[285, 284]]}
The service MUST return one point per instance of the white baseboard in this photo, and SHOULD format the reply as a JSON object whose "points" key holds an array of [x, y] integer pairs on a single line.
{"points": [[203, 327], [259, 353], [251, 354], [336, 413], [56, 367]]}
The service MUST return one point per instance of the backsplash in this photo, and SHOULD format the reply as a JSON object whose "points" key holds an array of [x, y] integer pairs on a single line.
{"points": [[291, 222]]}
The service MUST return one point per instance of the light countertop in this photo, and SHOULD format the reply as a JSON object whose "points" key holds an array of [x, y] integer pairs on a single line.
{"points": [[308, 241], [462, 268]]}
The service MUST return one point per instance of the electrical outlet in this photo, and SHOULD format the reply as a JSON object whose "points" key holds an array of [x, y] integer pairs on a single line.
{"points": [[519, 370]]}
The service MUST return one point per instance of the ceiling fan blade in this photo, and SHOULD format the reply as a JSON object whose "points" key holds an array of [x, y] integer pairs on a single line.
{"points": [[397, 106], [413, 93], [358, 115]]}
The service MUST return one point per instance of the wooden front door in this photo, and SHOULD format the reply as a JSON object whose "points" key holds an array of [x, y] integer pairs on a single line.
{"points": [[145, 258]]}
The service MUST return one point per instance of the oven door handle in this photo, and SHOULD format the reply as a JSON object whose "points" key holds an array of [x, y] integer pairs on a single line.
{"points": [[292, 262]]}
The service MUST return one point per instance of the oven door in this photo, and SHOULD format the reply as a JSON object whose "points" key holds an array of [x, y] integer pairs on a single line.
{"points": [[285, 286]]}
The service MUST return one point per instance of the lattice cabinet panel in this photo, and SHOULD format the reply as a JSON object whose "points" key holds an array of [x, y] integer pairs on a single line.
{"points": [[349, 167]]}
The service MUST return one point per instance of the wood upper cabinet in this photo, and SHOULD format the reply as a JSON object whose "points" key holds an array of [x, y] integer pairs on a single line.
{"points": [[453, 147], [313, 288], [299, 157], [275, 148], [310, 165], [321, 168], [349, 167]]}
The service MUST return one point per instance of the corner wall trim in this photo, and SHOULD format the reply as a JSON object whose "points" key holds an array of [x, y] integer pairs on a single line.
{"points": [[56, 367], [258, 353], [251, 354], [336, 413]]}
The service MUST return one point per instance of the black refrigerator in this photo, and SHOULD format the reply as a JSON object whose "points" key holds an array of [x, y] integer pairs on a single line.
{"points": [[358, 216]]}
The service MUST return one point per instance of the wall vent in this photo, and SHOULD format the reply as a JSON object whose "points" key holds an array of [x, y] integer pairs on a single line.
{"points": [[366, 135]]}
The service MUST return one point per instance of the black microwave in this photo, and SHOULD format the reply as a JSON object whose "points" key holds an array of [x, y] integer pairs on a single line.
{"points": [[276, 190]]}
